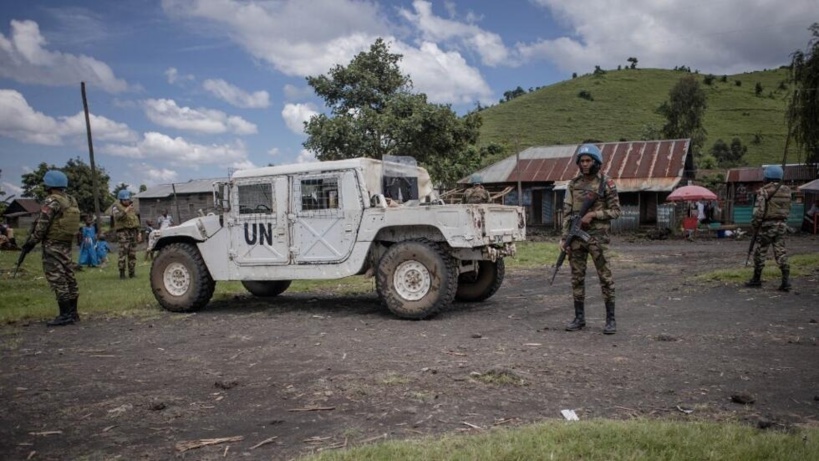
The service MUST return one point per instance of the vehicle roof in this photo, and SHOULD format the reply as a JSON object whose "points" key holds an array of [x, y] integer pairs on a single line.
{"points": [[312, 167]]}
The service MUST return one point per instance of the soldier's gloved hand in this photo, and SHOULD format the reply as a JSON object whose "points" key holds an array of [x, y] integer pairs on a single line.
{"points": [[28, 246]]}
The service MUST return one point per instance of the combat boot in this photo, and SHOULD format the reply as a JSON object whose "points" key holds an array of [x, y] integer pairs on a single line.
{"points": [[786, 280], [756, 280], [73, 310], [579, 317], [131, 274], [64, 318], [122, 274], [611, 326]]}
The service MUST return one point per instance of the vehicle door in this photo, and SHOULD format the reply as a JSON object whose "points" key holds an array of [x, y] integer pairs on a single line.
{"points": [[258, 224], [327, 210]]}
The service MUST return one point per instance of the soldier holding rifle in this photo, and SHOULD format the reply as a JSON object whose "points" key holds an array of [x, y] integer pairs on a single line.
{"points": [[770, 215], [595, 194]]}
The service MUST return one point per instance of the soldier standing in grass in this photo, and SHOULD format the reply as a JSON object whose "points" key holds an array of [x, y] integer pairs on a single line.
{"points": [[770, 215], [56, 228], [126, 225], [598, 188]]}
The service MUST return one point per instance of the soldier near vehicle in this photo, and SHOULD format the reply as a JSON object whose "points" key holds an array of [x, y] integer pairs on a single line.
{"points": [[595, 193], [126, 226], [56, 228], [477, 193], [771, 210]]}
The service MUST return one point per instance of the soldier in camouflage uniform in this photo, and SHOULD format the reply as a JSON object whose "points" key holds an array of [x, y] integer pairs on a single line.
{"points": [[601, 191], [771, 210], [476, 193], [126, 225], [56, 228]]}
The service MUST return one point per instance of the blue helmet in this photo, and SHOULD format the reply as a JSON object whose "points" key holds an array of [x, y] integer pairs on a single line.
{"points": [[124, 194], [475, 179], [773, 173], [55, 178], [592, 151]]}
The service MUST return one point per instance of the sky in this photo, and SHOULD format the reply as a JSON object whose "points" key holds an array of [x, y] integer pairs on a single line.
{"points": [[194, 89]]}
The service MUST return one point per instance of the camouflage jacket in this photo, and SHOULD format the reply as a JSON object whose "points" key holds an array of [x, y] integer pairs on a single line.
{"points": [[58, 220], [605, 208], [773, 203]]}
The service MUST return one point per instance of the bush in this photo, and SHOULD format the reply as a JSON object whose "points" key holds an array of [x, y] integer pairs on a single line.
{"points": [[738, 82], [584, 94], [758, 89], [709, 79]]}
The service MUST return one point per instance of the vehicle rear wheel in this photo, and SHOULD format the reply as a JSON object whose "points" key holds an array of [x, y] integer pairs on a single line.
{"points": [[481, 285], [266, 288], [180, 279], [416, 279]]}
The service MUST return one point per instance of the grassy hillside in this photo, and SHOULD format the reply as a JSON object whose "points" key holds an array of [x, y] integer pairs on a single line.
{"points": [[624, 103]]}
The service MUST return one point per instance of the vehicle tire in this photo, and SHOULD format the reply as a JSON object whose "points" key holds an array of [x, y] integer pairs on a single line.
{"points": [[266, 288], [180, 279], [416, 279], [480, 286]]}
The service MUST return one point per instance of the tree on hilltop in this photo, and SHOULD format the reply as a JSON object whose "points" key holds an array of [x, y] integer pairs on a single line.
{"points": [[803, 110], [373, 112], [684, 112]]}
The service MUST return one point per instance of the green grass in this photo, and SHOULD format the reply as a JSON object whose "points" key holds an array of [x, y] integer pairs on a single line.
{"points": [[625, 102], [598, 440], [28, 297], [801, 265]]}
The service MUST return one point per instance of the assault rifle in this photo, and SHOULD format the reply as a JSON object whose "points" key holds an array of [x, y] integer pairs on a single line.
{"points": [[751, 246], [575, 230], [20, 259]]}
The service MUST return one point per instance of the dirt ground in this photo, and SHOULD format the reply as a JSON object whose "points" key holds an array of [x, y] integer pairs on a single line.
{"points": [[313, 372]]}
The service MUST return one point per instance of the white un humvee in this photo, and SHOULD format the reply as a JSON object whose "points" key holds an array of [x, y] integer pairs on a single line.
{"points": [[328, 220]]}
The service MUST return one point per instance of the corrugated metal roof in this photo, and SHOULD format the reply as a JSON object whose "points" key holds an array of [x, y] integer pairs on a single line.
{"points": [[194, 186], [635, 166], [795, 172]]}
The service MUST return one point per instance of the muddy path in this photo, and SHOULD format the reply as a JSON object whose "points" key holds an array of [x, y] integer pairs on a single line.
{"points": [[311, 372]]}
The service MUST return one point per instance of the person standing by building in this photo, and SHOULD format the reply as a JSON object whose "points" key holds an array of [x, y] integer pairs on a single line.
{"points": [[126, 225], [600, 193], [164, 221], [477, 193], [56, 227], [769, 219]]}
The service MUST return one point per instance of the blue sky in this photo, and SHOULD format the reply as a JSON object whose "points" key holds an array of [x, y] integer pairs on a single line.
{"points": [[192, 89]]}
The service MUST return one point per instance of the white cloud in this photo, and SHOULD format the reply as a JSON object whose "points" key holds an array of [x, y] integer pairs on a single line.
{"points": [[236, 96], [273, 152], [295, 115], [18, 120], [173, 76], [724, 37], [156, 175], [179, 151], [24, 58], [488, 45], [165, 112], [445, 77], [243, 165], [306, 156], [11, 189]]}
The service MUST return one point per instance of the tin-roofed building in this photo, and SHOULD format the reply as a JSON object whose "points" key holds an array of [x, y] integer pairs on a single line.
{"points": [[183, 201], [645, 173]]}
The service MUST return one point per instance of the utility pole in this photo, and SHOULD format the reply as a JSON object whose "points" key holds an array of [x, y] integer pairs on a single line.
{"points": [[95, 188], [517, 170]]}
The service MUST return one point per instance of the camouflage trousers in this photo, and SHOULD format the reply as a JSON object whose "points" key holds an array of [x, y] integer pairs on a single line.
{"points": [[771, 234], [58, 267], [598, 248], [127, 242]]}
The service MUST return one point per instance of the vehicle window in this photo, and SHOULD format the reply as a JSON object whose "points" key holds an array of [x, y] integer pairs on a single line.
{"points": [[319, 194], [256, 198]]}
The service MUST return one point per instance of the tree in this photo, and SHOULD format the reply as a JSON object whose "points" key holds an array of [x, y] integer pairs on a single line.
{"points": [[684, 112], [633, 62], [79, 184], [758, 89], [729, 156], [374, 113], [510, 95], [803, 110]]}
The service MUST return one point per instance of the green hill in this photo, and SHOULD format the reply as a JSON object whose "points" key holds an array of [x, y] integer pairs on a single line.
{"points": [[623, 104]]}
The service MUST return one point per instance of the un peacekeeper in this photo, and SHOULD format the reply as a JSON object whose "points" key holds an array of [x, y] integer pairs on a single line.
{"points": [[56, 227], [477, 193], [771, 210], [590, 184], [126, 226]]}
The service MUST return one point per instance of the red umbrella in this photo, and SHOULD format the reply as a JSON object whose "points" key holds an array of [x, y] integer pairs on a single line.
{"points": [[691, 193]]}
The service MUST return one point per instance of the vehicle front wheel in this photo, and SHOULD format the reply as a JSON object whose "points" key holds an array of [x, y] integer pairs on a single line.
{"points": [[266, 288], [180, 279], [416, 279], [481, 285]]}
